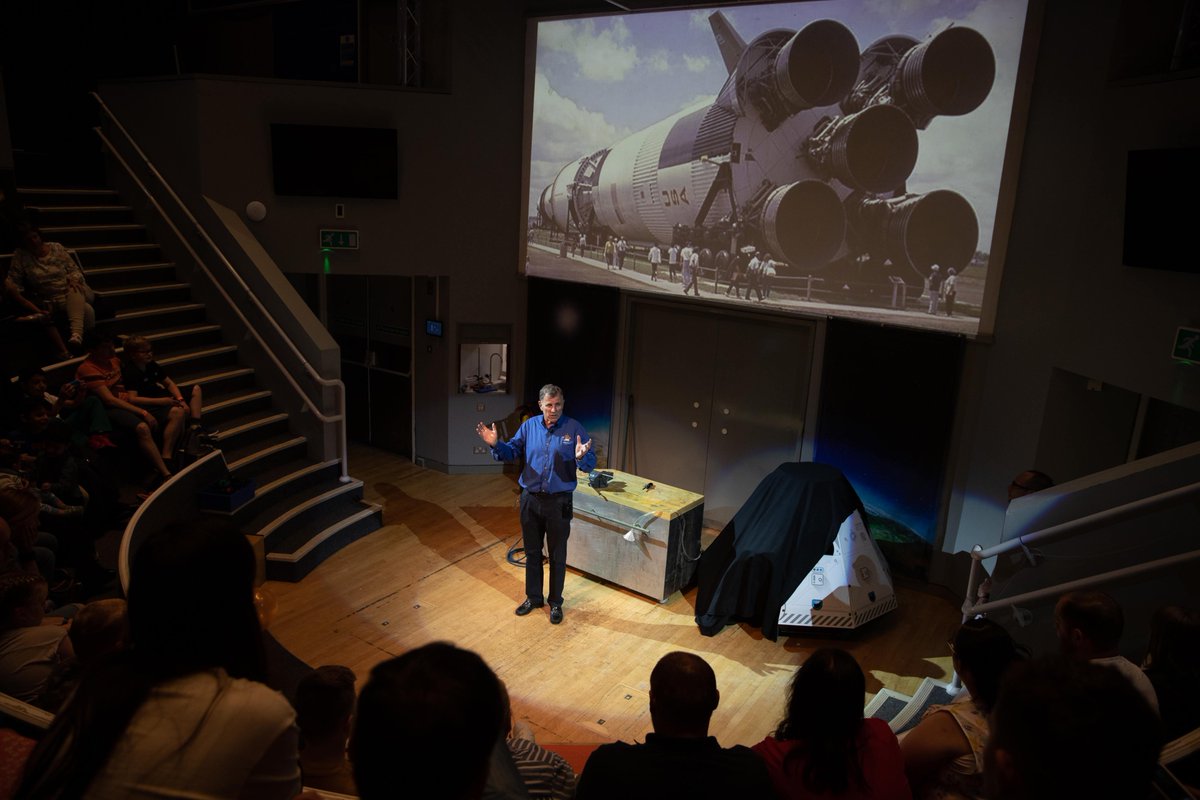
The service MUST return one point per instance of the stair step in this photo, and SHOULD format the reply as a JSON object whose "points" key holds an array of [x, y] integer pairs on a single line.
{"points": [[264, 454], [135, 320], [217, 377], [104, 255], [284, 478], [273, 520], [194, 353], [121, 269], [79, 214], [254, 425], [215, 413], [195, 335], [101, 228], [73, 209], [67, 190], [294, 562], [277, 485], [130, 297]]}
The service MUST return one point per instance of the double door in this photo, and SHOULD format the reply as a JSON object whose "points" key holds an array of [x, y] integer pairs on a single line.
{"points": [[718, 401]]}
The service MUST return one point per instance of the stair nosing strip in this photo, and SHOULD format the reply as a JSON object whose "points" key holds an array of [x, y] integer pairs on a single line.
{"points": [[283, 480], [215, 350], [323, 536], [236, 400], [251, 425], [156, 287], [134, 313], [267, 451], [308, 504], [115, 268]]}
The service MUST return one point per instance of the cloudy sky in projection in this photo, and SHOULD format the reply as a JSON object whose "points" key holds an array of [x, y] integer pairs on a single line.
{"points": [[598, 80]]}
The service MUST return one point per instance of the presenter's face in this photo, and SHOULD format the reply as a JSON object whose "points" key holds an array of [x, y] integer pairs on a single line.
{"points": [[552, 408]]}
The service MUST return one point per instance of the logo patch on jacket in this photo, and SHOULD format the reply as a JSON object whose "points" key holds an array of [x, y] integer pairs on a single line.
{"points": [[566, 439]]}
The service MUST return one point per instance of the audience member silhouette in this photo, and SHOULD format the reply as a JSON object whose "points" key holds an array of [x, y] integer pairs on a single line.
{"points": [[1089, 626], [182, 711], [1028, 482], [680, 758], [1173, 666], [48, 274], [426, 725], [943, 754], [29, 650], [546, 775], [324, 710], [824, 748], [1066, 728]]}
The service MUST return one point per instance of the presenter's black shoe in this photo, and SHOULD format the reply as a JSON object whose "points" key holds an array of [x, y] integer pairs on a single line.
{"points": [[555, 615], [526, 607]]}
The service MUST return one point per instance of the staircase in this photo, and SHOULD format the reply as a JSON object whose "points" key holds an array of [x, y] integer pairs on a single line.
{"points": [[301, 510]]}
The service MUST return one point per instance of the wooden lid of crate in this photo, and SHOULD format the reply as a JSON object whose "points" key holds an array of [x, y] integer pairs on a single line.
{"points": [[625, 489]]}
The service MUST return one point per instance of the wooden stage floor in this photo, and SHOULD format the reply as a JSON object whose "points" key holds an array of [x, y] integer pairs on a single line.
{"points": [[437, 571]]}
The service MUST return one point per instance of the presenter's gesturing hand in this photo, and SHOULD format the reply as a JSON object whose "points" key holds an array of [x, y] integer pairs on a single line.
{"points": [[581, 449], [489, 435]]}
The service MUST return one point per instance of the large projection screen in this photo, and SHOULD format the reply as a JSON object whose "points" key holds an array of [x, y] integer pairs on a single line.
{"points": [[859, 145]]}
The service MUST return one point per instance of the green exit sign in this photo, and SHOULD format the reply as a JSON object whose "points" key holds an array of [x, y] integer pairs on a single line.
{"points": [[339, 240], [1187, 345]]}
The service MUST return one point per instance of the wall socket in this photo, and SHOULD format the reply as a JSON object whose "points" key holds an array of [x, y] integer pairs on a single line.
{"points": [[479, 450]]}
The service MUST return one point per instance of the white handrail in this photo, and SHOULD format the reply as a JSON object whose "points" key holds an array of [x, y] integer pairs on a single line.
{"points": [[972, 604], [339, 418]]}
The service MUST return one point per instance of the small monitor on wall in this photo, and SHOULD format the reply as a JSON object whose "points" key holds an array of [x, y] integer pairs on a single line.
{"points": [[433, 327]]}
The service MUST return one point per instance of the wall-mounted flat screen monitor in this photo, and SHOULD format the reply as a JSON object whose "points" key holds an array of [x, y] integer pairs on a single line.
{"points": [[838, 157], [1160, 211], [334, 161]]}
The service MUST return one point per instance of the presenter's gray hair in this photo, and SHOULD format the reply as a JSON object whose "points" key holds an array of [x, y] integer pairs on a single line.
{"points": [[549, 390]]}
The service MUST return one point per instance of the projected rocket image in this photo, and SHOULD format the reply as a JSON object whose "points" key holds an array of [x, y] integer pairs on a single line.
{"points": [[805, 152]]}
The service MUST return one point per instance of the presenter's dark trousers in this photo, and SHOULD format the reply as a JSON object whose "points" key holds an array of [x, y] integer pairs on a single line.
{"points": [[545, 518]]}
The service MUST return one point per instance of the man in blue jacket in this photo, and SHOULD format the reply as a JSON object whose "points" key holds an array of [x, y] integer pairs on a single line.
{"points": [[553, 447]]}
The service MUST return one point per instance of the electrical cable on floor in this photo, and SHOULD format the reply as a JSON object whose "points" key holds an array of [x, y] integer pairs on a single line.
{"points": [[511, 555]]}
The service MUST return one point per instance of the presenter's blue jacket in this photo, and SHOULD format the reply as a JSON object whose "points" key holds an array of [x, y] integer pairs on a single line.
{"points": [[549, 454]]}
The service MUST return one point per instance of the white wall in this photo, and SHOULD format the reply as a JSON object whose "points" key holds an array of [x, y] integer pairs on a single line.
{"points": [[1066, 301]]}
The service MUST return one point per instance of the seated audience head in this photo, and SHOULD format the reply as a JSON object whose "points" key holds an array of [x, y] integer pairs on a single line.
{"points": [[1068, 728], [22, 600], [190, 608], [1028, 482], [983, 652], [324, 705], [825, 711], [426, 724], [1089, 624], [29, 238], [1175, 641], [100, 629], [33, 382], [37, 415], [191, 601], [20, 509], [683, 695]]}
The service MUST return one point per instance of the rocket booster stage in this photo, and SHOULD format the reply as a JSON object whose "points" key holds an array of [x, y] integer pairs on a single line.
{"points": [[805, 151]]}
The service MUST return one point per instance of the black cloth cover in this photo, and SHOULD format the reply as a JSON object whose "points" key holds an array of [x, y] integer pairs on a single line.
{"points": [[771, 544]]}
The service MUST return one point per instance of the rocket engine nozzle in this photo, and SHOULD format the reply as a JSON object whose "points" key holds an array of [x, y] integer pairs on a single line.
{"points": [[782, 72], [804, 223], [951, 74], [817, 66], [917, 231], [874, 150]]}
